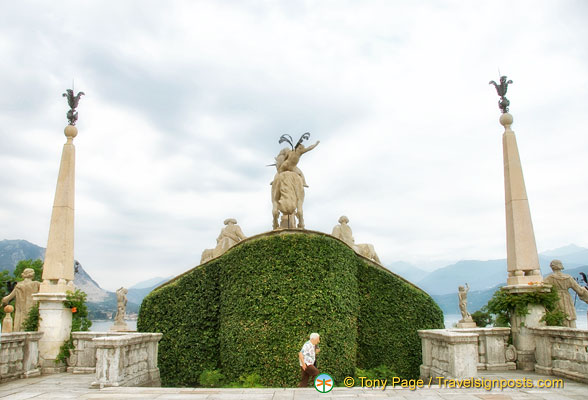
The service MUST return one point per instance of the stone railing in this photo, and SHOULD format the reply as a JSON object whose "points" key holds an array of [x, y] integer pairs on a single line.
{"points": [[492, 346], [562, 352], [19, 355], [127, 360], [449, 354], [83, 356]]}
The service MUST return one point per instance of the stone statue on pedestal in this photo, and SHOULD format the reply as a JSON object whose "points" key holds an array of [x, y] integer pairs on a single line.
{"points": [[343, 232], [289, 183], [466, 319], [121, 309], [229, 236], [23, 291], [562, 282]]}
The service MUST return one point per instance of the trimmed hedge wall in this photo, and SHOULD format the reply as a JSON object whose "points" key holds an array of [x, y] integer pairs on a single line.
{"points": [[391, 312], [187, 315], [250, 311]]}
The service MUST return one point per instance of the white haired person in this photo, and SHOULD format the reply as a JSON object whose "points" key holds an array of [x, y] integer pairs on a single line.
{"points": [[307, 358]]}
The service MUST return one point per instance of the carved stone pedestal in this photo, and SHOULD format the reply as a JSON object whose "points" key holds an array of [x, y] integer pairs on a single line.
{"points": [[55, 322], [120, 327], [466, 324], [522, 337]]}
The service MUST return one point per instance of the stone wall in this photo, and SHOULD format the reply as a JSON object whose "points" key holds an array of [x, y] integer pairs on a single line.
{"points": [[460, 353], [561, 351], [449, 354], [19, 355], [83, 357], [492, 345], [127, 360]]}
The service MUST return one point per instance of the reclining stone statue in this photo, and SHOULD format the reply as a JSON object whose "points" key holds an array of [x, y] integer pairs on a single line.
{"points": [[230, 235], [343, 232]]}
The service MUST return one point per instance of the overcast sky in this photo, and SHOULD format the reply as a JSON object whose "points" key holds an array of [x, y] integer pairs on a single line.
{"points": [[185, 103]]}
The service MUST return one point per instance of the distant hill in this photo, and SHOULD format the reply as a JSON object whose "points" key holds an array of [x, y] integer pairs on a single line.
{"points": [[480, 275], [479, 298], [407, 271], [150, 283], [483, 275], [13, 251], [138, 292], [101, 303], [476, 300]]}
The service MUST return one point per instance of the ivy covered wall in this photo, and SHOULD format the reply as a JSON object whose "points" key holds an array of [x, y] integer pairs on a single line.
{"points": [[250, 311]]}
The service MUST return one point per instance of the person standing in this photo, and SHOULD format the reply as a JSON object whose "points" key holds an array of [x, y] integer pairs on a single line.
{"points": [[307, 357]]}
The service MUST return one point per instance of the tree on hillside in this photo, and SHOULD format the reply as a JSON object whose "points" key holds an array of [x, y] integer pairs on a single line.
{"points": [[4, 279], [37, 265]]}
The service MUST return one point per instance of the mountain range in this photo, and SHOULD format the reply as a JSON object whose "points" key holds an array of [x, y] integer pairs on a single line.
{"points": [[102, 304], [483, 277]]}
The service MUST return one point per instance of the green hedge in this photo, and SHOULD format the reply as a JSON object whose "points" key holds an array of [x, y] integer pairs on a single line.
{"points": [[391, 312], [186, 312], [252, 309]]}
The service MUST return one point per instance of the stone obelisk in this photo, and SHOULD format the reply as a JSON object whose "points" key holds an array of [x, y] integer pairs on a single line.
{"points": [[58, 268], [521, 248], [524, 274]]}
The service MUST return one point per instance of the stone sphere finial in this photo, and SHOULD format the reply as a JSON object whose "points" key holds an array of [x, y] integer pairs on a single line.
{"points": [[8, 309], [506, 120], [70, 131]]}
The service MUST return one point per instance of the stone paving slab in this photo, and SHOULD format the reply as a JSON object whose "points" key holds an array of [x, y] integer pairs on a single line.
{"points": [[69, 386]]}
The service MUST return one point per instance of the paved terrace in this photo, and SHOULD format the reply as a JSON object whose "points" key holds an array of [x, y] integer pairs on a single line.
{"points": [[69, 386]]}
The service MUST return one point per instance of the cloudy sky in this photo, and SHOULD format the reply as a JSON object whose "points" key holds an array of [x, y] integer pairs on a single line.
{"points": [[185, 102]]}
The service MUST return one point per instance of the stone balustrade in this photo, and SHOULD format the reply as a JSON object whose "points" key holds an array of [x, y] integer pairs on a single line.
{"points": [[561, 351], [83, 357], [127, 360], [492, 345], [449, 354], [19, 355]]}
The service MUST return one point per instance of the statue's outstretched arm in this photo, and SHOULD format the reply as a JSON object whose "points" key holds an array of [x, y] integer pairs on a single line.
{"points": [[311, 147], [6, 299], [582, 292]]}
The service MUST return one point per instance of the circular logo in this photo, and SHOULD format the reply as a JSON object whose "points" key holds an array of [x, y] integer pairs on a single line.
{"points": [[324, 383]]}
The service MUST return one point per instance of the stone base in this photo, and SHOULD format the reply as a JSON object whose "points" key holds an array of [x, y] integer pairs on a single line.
{"points": [[509, 366], [55, 322], [53, 370], [81, 370], [466, 324], [526, 360], [543, 288], [60, 286], [543, 370], [530, 280], [32, 373], [120, 328]]}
